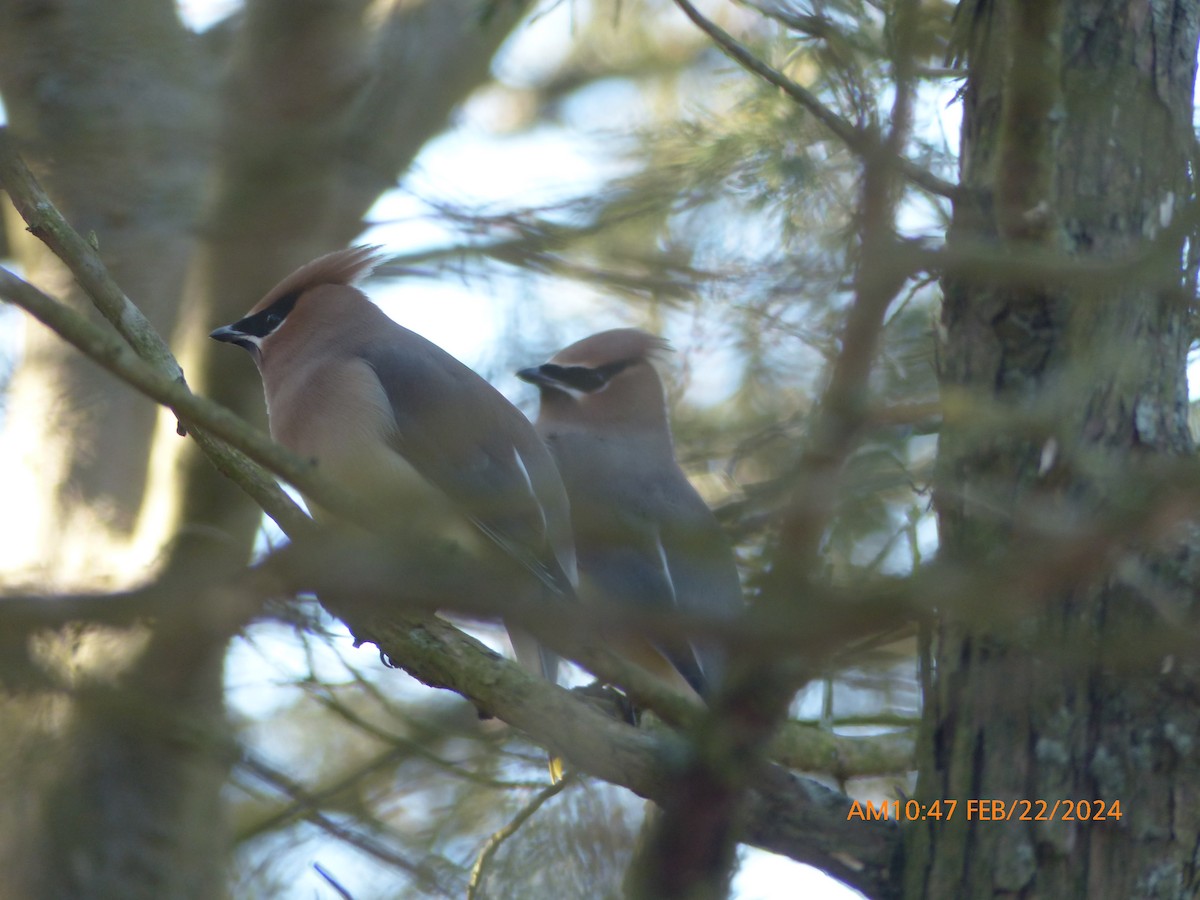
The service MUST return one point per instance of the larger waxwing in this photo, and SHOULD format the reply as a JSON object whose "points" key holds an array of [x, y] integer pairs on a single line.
{"points": [[406, 426], [642, 533]]}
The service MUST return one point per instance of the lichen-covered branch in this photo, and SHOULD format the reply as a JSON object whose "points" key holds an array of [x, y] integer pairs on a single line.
{"points": [[47, 223], [784, 813], [120, 359]]}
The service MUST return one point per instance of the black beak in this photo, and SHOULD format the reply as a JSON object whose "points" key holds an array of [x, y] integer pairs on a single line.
{"points": [[229, 334], [226, 334], [535, 376]]}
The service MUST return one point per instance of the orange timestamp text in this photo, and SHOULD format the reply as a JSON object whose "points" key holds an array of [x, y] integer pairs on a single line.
{"points": [[986, 810]]}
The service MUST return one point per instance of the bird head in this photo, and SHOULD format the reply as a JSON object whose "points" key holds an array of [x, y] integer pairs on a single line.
{"points": [[607, 379], [265, 324]]}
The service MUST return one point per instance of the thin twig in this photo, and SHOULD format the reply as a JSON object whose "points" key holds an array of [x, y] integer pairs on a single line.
{"points": [[404, 746], [858, 140], [333, 883], [494, 842], [302, 804], [312, 813]]}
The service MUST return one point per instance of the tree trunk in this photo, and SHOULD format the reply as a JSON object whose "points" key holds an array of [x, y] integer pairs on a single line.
{"points": [[1061, 703], [107, 106]]}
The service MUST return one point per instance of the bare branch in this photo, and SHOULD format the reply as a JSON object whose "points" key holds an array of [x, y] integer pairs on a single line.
{"points": [[118, 358], [310, 807], [811, 749], [47, 223], [524, 815], [362, 591], [332, 882], [409, 746], [786, 814], [861, 142], [304, 802]]}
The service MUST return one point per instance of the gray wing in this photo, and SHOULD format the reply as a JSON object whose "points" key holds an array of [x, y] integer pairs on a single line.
{"points": [[468, 440], [629, 567], [699, 553], [462, 435], [701, 562], [623, 538]]}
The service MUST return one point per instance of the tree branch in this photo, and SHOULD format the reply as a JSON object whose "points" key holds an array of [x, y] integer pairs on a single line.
{"points": [[785, 814], [309, 809], [361, 591], [859, 141], [810, 749], [524, 815], [47, 223], [119, 359]]}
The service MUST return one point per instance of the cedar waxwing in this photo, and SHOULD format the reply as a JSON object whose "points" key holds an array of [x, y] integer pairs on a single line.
{"points": [[642, 534], [406, 426]]}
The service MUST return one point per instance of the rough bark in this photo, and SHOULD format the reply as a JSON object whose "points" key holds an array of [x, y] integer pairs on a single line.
{"points": [[1095, 173]]}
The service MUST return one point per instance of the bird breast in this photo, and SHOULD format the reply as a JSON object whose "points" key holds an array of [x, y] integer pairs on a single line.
{"points": [[338, 415]]}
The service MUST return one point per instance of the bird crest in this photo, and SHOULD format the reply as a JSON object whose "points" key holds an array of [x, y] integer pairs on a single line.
{"points": [[619, 344], [340, 267]]}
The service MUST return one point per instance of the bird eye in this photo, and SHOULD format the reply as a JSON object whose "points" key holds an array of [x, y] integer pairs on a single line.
{"points": [[273, 319]]}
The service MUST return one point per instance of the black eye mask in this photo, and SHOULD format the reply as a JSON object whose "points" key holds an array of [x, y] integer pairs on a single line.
{"points": [[581, 378], [263, 323]]}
